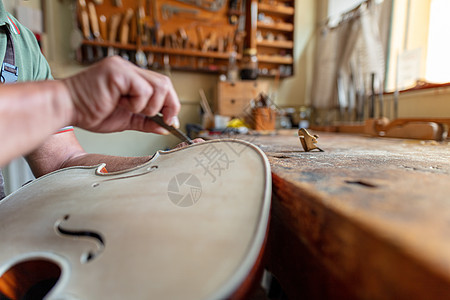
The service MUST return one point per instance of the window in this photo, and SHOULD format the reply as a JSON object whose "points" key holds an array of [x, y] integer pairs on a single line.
{"points": [[438, 52], [419, 43]]}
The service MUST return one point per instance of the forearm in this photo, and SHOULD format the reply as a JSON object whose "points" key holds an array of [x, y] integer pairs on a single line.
{"points": [[30, 112], [63, 150]]}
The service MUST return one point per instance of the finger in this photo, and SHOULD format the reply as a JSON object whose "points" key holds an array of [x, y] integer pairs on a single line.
{"points": [[198, 140], [142, 123], [185, 144], [138, 97], [164, 98]]}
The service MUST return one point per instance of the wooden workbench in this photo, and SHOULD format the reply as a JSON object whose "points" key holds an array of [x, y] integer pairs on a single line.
{"points": [[368, 218]]}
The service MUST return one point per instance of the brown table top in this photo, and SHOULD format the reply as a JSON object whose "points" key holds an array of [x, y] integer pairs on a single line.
{"points": [[375, 211]]}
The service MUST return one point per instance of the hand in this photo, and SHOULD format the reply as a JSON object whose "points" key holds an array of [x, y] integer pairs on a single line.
{"points": [[185, 144], [115, 95]]}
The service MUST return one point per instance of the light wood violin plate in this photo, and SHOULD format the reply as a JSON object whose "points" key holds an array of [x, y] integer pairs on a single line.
{"points": [[189, 224]]}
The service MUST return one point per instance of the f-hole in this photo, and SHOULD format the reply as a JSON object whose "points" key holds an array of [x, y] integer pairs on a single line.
{"points": [[31, 279]]}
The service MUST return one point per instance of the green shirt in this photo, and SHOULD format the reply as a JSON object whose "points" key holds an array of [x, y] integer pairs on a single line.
{"points": [[28, 57]]}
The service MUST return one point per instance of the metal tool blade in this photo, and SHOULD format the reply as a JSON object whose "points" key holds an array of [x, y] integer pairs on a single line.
{"points": [[158, 119]]}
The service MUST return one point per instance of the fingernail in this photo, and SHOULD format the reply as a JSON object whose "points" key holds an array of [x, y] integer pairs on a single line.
{"points": [[175, 122], [164, 131]]}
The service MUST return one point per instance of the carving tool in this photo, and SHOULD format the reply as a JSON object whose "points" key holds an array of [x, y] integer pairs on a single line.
{"points": [[94, 21], [140, 57], [84, 21], [372, 97], [117, 3], [125, 27], [95, 29], [103, 27], [114, 24], [158, 119], [168, 11]]}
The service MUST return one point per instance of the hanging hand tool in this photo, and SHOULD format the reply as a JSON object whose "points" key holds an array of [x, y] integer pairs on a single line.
{"points": [[83, 16], [113, 26], [168, 11], [157, 32], [125, 32], [94, 21], [141, 58], [166, 63], [211, 5], [158, 119], [84, 19], [233, 13], [103, 27], [125, 26], [372, 96], [95, 29], [117, 3]]}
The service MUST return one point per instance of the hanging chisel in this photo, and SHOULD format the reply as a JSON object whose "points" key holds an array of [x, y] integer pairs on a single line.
{"points": [[125, 26], [117, 3], [85, 28], [372, 97]]}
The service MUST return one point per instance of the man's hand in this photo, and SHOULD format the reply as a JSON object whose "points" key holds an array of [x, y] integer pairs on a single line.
{"points": [[115, 95], [185, 144]]}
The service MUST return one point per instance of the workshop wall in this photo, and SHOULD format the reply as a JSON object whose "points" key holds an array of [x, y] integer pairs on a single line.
{"points": [[292, 91]]}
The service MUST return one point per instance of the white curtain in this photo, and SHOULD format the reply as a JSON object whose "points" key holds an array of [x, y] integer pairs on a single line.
{"points": [[348, 54]]}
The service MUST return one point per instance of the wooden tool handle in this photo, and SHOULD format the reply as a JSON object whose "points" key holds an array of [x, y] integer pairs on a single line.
{"points": [[94, 21], [115, 20], [103, 27], [84, 20], [117, 3], [125, 27]]}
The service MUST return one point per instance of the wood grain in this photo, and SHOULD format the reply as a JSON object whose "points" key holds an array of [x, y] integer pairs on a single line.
{"points": [[373, 212]]}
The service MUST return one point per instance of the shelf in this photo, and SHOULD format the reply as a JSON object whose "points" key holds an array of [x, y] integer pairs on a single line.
{"points": [[276, 9], [163, 50], [287, 27], [276, 44], [275, 59]]}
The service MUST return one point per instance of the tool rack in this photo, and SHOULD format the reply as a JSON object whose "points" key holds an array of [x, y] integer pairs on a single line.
{"points": [[270, 30], [192, 35]]}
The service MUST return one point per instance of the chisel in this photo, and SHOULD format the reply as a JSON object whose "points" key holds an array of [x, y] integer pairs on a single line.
{"points": [[125, 27], [158, 119], [95, 29], [84, 21]]}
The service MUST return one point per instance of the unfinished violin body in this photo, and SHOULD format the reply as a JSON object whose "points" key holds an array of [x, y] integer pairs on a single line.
{"points": [[188, 224]]}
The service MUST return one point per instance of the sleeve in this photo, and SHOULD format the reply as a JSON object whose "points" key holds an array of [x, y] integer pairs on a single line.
{"points": [[32, 59], [31, 56]]}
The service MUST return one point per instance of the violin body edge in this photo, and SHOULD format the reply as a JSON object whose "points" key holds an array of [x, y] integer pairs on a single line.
{"points": [[229, 217]]}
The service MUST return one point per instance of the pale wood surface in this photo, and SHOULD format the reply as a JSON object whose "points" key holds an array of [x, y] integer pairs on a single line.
{"points": [[155, 245], [375, 212]]}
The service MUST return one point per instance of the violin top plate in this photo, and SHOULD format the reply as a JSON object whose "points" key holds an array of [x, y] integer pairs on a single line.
{"points": [[188, 224]]}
